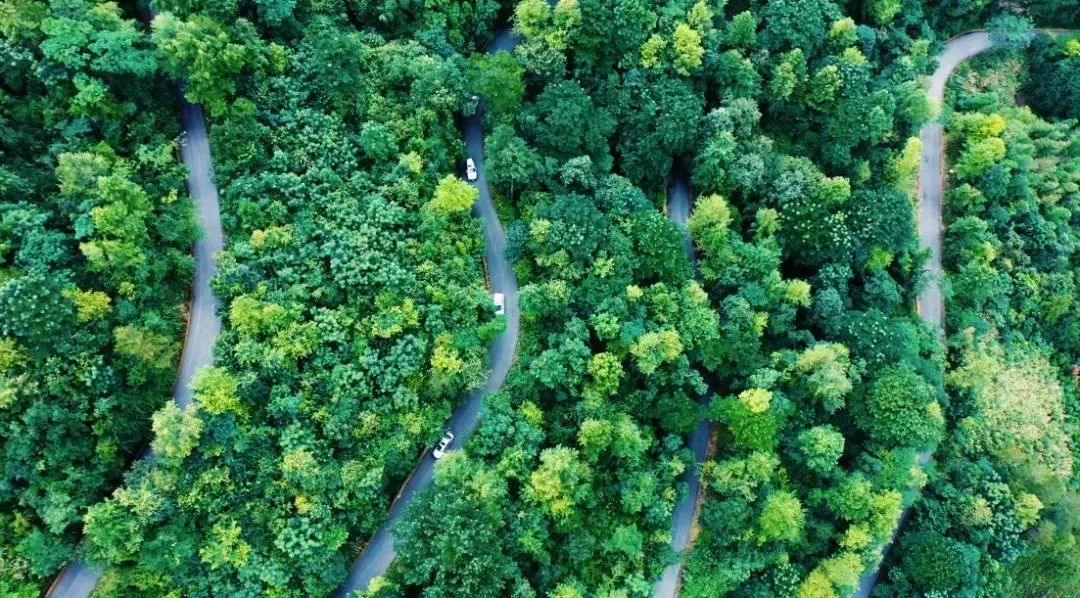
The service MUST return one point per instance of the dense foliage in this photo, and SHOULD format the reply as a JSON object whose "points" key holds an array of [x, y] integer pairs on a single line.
{"points": [[948, 17], [1053, 81], [1000, 513], [352, 294], [827, 383], [95, 231], [356, 317]]}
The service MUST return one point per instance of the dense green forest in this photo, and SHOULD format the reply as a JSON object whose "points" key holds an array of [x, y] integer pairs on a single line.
{"points": [[356, 316], [353, 297], [94, 268], [1001, 513], [827, 384]]}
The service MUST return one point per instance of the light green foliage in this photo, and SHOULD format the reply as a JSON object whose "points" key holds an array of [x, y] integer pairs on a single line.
{"points": [[782, 517], [176, 431], [559, 484], [1018, 408], [979, 156], [842, 33], [606, 372], [686, 44], [652, 52], [709, 224], [821, 447], [884, 11], [157, 352], [206, 54], [531, 17], [788, 74], [452, 196], [826, 370], [653, 349], [798, 293], [89, 305], [224, 547], [216, 391]]}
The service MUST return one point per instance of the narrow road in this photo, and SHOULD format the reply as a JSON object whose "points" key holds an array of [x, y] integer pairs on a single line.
{"points": [[379, 551], [931, 306], [77, 579], [682, 518]]}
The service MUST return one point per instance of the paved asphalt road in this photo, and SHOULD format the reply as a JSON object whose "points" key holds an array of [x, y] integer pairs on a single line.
{"points": [[379, 551], [931, 307], [77, 580], [682, 518]]}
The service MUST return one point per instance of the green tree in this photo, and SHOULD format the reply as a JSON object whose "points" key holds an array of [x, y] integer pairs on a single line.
{"points": [[206, 55], [452, 196], [454, 535], [782, 517], [686, 43], [821, 447], [898, 409], [498, 78]]}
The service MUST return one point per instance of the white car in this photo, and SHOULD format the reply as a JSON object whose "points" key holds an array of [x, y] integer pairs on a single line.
{"points": [[470, 169], [500, 303], [443, 446]]}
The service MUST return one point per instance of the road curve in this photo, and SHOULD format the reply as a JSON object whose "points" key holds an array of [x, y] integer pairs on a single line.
{"points": [[77, 579], [682, 517], [931, 306], [379, 551]]}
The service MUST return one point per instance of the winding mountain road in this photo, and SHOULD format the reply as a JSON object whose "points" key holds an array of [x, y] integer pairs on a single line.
{"points": [[682, 518], [379, 551], [931, 306], [77, 579]]}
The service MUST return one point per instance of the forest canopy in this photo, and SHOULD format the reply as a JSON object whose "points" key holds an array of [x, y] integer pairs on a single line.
{"points": [[711, 209]]}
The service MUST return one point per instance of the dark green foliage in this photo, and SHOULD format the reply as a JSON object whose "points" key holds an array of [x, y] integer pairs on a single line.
{"points": [[937, 563], [1053, 85], [456, 542]]}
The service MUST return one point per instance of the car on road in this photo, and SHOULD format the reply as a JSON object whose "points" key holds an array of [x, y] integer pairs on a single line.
{"points": [[443, 446], [500, 303], [470, 169]]}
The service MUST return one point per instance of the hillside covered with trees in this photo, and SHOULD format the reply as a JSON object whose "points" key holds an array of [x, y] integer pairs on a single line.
{"points": [[95, 230], [1001, 513], [357, 311]]}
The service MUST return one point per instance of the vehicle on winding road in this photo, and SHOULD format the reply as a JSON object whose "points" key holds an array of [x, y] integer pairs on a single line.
{"points": [[444, 445]]}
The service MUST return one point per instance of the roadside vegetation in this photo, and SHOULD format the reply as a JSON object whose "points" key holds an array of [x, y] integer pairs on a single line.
{"points": [[95, 231], [1000, 514], [352, 292], [356, 315]]}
